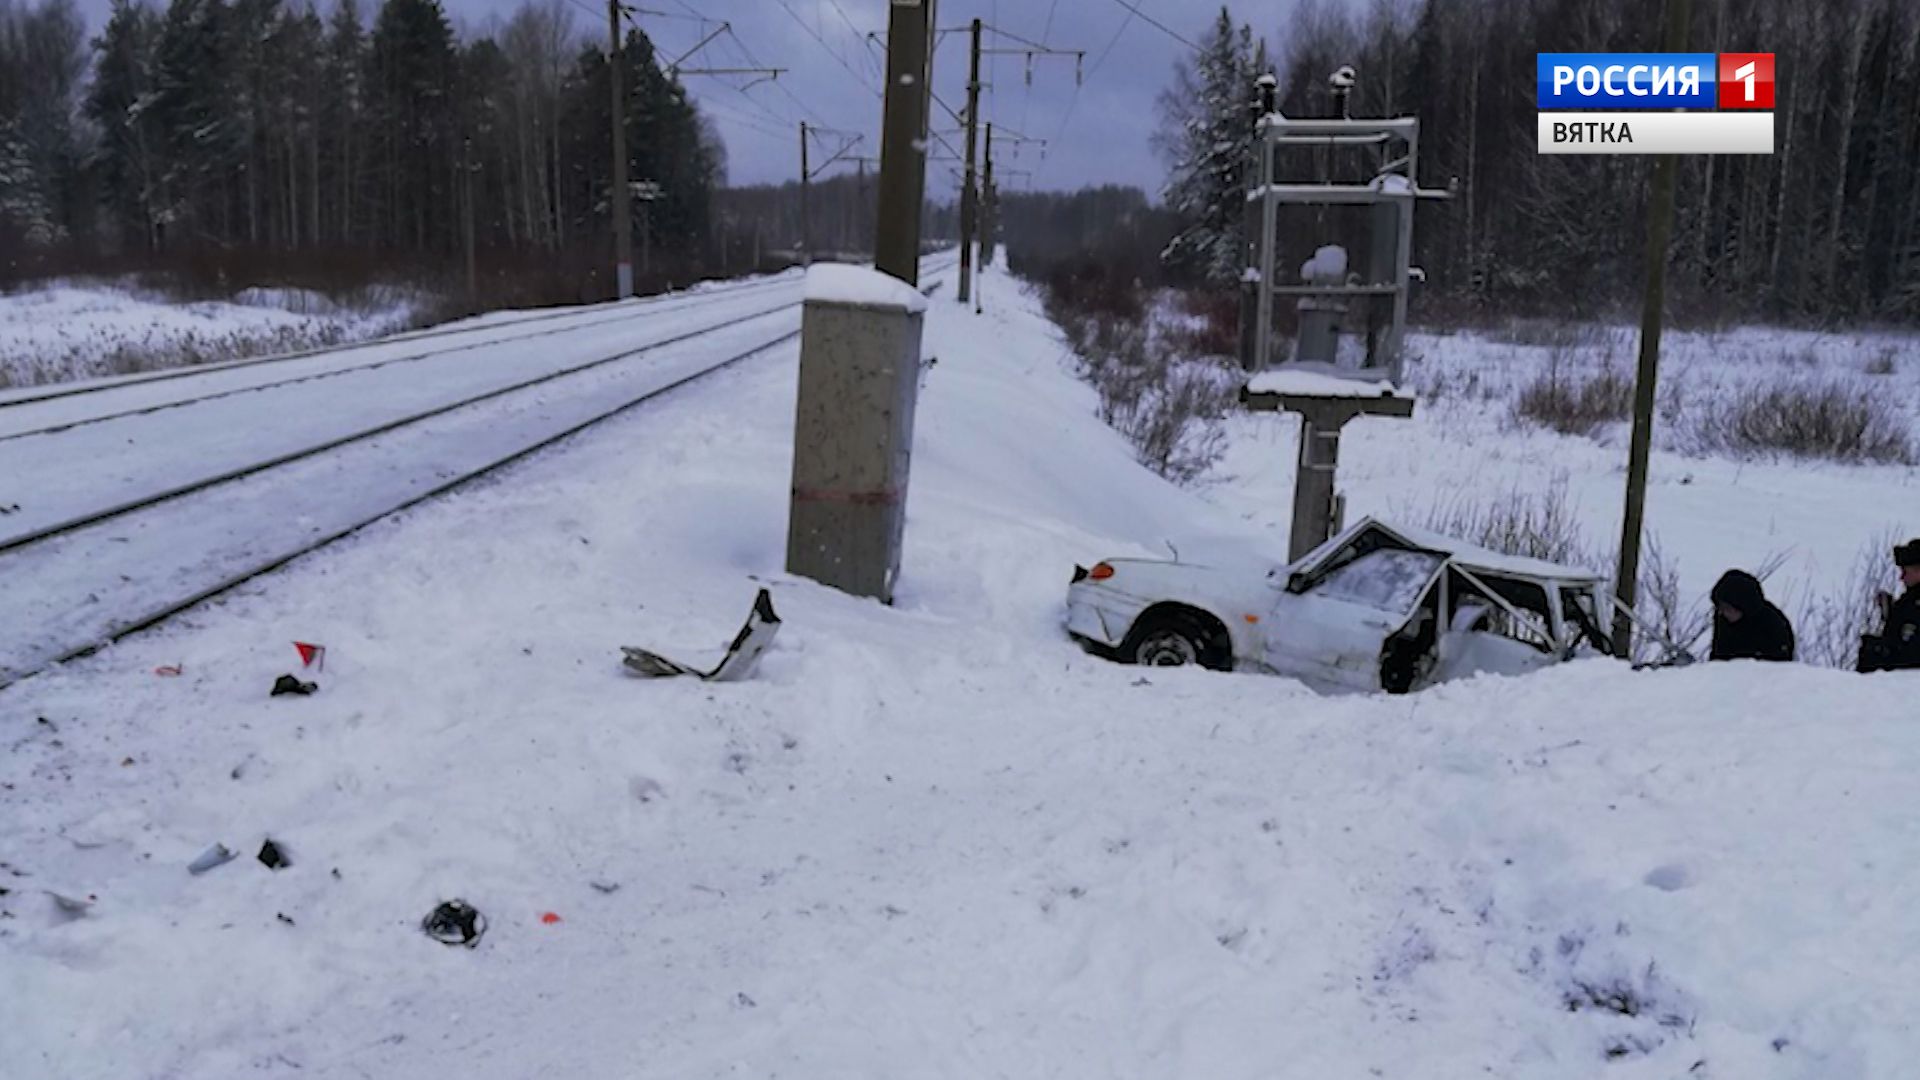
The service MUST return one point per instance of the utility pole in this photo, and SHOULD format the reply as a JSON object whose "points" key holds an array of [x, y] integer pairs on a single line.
{"points": [[466, 223], [987, 223], [622, 213], [860, 210], [806, 213], [1659, 232], [860, 359], [969, 193], [903, 145]]}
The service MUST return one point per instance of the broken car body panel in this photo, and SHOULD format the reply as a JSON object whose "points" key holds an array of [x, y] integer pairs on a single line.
{"points": [[1377, 607]]}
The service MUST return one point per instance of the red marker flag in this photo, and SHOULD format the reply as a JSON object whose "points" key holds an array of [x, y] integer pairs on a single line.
{"points": [[310, 654]]}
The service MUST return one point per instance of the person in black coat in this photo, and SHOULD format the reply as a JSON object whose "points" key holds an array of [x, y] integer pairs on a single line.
{"points": [[1897, 647], [1745, 625]]}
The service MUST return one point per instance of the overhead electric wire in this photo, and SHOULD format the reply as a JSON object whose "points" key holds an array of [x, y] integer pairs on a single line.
{"points": [[748, 120], [837, 58], [755, 62], [1133, 7], [845, 18]]}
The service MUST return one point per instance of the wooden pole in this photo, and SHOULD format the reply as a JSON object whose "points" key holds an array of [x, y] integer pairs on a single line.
{"points": [[1646, 381]]}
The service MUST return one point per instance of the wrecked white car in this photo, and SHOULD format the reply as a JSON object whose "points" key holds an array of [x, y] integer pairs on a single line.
{"points": [[1379, 607]]}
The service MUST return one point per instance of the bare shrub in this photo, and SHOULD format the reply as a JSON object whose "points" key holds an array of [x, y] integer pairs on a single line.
{"points": [[1828, 627], [1216, 315], [1438, 381], [1554, 334], [1666, 625], [1575, 404], [1175, 423], [1536, 524], [1169, 407], [1668, 620], [1836, 420], [131, 357]]}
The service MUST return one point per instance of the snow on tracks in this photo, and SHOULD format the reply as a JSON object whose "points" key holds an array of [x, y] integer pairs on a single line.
{"points": [[127, 538]]}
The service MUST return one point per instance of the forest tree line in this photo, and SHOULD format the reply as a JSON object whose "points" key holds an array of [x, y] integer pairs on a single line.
{"points": [[1826, 227], [265, 126]]}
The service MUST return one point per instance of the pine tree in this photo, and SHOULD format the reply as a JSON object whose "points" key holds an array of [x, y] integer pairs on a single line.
{"points": [[665, 144], [342, 70], [42, 59], [193, 107], [119, 105], [410, 87], [1206, 136]]}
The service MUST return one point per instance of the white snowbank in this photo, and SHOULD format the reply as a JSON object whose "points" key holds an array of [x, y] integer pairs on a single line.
{"points": [[1316, 382], [841, 283], [929, 840]]}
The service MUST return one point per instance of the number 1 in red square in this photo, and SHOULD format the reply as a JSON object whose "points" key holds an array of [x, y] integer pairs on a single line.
{"points": [[1746, 80]]}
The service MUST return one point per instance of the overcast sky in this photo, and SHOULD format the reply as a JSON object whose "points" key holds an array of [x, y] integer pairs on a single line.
{"points": [[1097, 131]]}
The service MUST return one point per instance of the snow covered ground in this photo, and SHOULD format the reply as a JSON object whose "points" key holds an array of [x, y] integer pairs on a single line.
{"points": [[935, 840], [69, 330]]}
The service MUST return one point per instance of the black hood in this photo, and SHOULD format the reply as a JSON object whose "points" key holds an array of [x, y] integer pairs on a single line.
{"points": [[1907, 554], [1741, 591]]}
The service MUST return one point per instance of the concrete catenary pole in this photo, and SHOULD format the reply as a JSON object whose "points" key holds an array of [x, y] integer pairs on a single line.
{"points": [[987, 211], [969, 187], [860, 361], [1659, 232], [622, 212], [806, 208], [903, 141]]}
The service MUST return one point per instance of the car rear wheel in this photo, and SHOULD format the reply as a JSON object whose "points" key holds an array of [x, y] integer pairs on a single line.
{"points": [[1176, 640]]}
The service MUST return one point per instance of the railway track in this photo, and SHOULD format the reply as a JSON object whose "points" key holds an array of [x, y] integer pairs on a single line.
{"points": [[118, 569]]}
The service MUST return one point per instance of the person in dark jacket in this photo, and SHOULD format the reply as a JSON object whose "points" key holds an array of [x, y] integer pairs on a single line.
{"points": [[1897, 646], [1745, 625]]}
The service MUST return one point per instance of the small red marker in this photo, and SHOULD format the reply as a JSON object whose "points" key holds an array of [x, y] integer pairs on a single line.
{"points": [[311, 653], [549, 918]]}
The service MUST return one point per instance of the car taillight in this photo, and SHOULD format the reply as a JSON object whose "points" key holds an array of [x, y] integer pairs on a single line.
{"points": [[1101, 571]]}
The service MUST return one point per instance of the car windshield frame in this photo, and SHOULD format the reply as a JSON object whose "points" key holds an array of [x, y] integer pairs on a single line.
{"points": [[1398, 592]]}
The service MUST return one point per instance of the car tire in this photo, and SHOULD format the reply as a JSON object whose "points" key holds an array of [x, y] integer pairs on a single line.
{"points": [[1176, 640]]}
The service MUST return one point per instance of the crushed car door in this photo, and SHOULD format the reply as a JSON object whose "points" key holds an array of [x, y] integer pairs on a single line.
{"points": [[1332, 632], [1498, 625]]}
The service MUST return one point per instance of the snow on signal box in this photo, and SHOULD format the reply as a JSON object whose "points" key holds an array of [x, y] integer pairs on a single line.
{"points": [[1655, 103]]}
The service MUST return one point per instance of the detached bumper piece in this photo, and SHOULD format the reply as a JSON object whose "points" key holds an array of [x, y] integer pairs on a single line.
{"points": [[742, 656]]}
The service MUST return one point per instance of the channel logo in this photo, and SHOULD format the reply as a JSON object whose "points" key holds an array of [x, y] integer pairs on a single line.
{"points": [[1746, 80], [1655, 103], [1627, 81]]}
